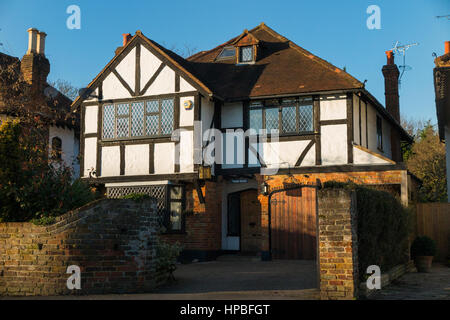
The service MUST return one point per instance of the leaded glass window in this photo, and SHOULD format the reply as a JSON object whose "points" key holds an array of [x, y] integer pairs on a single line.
{"points": [[246, 54], [297, 115], [138, 119], [166, 116], [108, 121], [271, 119], [289, 119]]}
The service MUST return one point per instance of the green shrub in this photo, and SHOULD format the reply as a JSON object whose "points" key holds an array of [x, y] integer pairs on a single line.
{"points": [[136, 196], [383, 230], [32, 187], [423, 246], [166, 256]]}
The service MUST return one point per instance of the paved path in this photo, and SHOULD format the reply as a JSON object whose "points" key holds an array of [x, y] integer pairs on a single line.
{"points": [[419, 286]]}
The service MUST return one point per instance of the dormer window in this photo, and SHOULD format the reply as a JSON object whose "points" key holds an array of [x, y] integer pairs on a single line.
{"points": [[227, 53], [246, 48], [246, 54]]}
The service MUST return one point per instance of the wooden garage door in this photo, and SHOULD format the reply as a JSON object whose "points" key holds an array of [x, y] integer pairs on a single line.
{"points": [[294, 224]]}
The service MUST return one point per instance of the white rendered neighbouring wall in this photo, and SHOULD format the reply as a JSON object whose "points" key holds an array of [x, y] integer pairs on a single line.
{"points": [[70, 147]]}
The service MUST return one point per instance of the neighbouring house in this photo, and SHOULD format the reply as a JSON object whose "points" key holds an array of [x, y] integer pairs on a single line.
{"points": [[330, 128], [32, 71], [442, 90]]}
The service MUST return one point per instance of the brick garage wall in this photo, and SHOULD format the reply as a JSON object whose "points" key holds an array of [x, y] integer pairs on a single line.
{"points": [[338, 249], [202, 237], [112, 241]]}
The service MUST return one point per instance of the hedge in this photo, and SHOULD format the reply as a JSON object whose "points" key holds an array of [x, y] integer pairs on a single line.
{"points": [[383, 228]]}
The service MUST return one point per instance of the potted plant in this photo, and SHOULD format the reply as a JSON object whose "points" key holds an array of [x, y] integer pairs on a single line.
{"points": [[423, 250]]}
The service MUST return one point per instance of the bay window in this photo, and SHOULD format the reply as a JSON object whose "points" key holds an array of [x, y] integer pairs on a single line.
{"points": [[138, 119]]}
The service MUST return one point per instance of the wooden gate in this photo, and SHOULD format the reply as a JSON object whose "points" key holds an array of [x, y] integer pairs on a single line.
{"points": [[293, 224]]}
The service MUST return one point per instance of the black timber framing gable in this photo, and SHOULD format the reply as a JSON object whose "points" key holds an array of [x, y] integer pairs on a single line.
{"points": [[137, 42]]}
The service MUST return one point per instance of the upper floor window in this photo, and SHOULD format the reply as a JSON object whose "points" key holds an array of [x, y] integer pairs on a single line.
{"points": [[379, 133], [246, 54], [56, 148], [137, 119], [288, 116], [227, 53]]}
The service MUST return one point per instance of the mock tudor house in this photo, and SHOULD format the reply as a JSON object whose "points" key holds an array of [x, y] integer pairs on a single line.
{"points": [[330, 128], [63, 125]]}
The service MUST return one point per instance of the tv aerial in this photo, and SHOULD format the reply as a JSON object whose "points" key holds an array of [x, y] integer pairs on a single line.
{"points": [[445, 17], [401, 50]]}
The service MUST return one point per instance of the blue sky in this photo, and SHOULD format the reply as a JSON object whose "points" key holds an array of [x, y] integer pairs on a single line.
{"points": [[334, 30]]}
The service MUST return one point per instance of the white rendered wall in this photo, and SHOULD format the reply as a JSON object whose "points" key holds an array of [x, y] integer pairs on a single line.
{"points": [[149, 65], [137, 159], [90, 155], [164, 83], [164, 156], [207, 113], [185, 86], [187, 115], [286, 153], [68, 147], [363, 124], [356, 115], [333, 139], [232, 116], [113, 89], [110, 161], [90, 119], [333, 107], [186, 151], [372, 133], [363, 157], [127, 68]]}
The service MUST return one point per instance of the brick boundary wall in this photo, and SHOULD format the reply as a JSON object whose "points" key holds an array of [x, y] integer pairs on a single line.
{"points": [[338, 249], [112, 241]]}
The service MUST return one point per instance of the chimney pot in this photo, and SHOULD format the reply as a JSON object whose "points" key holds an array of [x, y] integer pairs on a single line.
{"points": [[390, 57], [32, 40], [447, 47], [41, 42], [126, 38]]}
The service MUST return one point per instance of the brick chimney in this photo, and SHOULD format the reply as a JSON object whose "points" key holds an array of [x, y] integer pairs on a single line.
{"points": [[126, 37], [34, 66], [391, 74]]}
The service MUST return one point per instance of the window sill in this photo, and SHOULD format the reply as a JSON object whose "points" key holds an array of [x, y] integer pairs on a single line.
{"points": [[138, 138]]}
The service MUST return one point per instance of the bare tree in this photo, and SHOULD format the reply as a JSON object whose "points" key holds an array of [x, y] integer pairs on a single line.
{"points": [[65, 87]]}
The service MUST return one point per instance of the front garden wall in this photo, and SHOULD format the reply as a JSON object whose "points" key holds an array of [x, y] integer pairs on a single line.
{"points": [[112, 241]]}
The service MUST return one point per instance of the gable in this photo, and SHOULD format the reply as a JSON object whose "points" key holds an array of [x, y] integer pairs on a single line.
{"points": [[142, 68]]}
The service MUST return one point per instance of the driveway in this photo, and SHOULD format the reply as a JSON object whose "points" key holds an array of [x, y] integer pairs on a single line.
{"points": [[231, 278], [242, 279], [419, 286]]}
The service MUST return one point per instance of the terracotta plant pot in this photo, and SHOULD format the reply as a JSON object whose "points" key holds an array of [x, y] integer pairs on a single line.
{"points": [[423, 263]]}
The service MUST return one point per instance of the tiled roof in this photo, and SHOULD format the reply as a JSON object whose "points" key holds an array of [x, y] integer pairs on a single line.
{"points": [[281, 67]]}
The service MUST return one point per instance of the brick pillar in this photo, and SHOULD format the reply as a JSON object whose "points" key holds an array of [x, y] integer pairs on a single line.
{"points": [[338, 249]]}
